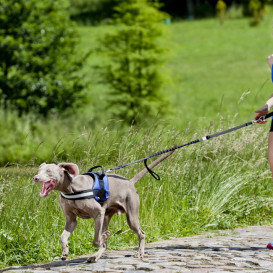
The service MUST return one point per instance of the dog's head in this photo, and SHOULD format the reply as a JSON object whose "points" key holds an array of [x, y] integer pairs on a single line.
{"points": [[51, 176]]}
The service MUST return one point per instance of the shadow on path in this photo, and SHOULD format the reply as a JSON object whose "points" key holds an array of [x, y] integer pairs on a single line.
{"points": [[82, 260], [46, 266], [213, 248]]}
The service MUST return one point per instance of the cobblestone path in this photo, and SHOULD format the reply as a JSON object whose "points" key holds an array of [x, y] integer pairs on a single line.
{"points": [[239, 250]]}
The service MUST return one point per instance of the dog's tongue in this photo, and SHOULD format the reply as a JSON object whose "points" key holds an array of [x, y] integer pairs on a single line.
{"points": [[46, 188]]}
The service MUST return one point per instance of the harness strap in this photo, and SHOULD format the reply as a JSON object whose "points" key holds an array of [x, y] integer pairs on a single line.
{"points": [[101, 186], [87, 194], [100, 190]]}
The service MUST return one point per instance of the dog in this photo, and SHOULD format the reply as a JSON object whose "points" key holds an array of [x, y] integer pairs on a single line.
{"points": [[123, 198]]}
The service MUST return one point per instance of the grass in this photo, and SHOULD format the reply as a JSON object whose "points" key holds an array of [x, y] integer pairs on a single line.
{"points": [[215, 70], [221, 67], [219, 78], [222, 183]]}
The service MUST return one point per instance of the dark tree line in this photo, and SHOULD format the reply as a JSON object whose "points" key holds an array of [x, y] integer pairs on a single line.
{"points": [[93, 11]]}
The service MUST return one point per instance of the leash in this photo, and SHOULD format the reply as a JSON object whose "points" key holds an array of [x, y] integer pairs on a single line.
{"points": [[187, 144]]}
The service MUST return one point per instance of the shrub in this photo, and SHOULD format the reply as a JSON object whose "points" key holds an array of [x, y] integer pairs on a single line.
{"points": [[221, 10], [133, 74], [37, 57], [255, 9]]}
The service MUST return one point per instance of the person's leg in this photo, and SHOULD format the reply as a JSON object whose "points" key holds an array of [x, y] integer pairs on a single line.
{"points": [[270, 148], [270, 159]]}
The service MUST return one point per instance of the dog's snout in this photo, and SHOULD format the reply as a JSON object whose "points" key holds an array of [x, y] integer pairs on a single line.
{"points": [[36, 178]]}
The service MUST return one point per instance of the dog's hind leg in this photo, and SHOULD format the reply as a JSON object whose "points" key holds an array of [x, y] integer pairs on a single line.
{"points": [[105, 232], [133, 222], [135, 226], [70, 225]]}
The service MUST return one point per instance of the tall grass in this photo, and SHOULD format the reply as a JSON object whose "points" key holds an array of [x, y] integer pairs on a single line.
{"points": [[221, 183]]}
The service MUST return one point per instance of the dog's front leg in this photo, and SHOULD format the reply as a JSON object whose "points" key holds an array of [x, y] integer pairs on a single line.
{"points": [[98, 238], [70, 225]]}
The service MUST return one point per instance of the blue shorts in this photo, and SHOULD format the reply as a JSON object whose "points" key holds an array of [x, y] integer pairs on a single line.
{"points": [[271, 127]]}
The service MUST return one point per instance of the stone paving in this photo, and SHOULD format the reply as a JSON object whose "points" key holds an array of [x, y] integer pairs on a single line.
{"points": [[238, 250]]}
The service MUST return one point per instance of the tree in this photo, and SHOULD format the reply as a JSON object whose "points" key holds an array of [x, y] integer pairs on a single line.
{"points": [[134, 72], [91, 11], [255, 9], [37, 57], [221, 10]]}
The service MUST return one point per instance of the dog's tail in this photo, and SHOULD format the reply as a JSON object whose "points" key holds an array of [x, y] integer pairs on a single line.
{"points": [[138, 176]]}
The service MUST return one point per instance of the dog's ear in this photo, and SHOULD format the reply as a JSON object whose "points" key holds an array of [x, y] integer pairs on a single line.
{"points": [[72, 168], [42, 165]]}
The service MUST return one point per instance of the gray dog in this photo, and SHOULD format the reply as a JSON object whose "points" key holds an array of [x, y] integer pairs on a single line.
{"points": [[123, 198]]}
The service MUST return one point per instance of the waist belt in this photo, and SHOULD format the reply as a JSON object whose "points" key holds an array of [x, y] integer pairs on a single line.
{"points": [[100, 190]]}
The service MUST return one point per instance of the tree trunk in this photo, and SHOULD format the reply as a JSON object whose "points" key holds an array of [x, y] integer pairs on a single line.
{"points": [[190, 7]]}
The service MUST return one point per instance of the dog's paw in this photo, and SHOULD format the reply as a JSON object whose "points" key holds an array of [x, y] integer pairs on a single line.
{"points": [[139, 255], [92, 259], [64, 257], [105, 236]]}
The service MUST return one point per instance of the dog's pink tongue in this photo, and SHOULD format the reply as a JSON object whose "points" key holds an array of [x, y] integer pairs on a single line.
{"points": [[47, 188]]}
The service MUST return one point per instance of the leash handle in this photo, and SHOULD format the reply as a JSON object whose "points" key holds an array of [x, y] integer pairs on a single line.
{"points": [[263, 117]]}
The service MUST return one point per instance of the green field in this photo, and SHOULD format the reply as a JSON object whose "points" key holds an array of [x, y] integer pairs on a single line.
{"points": [[218, 77], [214, 70]]}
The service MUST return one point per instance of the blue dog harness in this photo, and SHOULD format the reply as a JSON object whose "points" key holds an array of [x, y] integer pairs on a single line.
{"points": [[100, 190]]}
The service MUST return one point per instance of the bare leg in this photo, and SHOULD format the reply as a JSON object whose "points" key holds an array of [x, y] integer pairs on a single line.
{"points": [[270, 151], [70, 225]]}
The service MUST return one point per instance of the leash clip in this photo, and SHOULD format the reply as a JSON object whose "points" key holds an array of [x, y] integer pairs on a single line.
{"points": [[262, 118]]}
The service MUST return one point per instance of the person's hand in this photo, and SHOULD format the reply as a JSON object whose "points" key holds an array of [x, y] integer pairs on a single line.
{"points": [[262, 111], [270, 61]]}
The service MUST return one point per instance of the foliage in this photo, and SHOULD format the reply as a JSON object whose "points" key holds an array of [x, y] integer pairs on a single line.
{"points": [[37, 59], [134, 72], [91, 11], [255, 9], [221, 10], [95, 11]]}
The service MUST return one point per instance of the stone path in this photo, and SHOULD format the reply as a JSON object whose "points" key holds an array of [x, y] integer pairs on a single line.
{"points": [[239, 250]]}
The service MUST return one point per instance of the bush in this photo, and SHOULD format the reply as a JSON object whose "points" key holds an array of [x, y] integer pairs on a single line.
{"points": [[37, 57], [91, 11], [221, 10], [136, 56], [255, 9]]}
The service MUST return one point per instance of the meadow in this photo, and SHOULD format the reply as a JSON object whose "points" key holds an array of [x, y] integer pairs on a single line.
{"points": [[218, 77]]}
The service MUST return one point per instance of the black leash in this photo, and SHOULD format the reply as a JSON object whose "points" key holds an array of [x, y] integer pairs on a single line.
{"points": [[187, 144]]}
